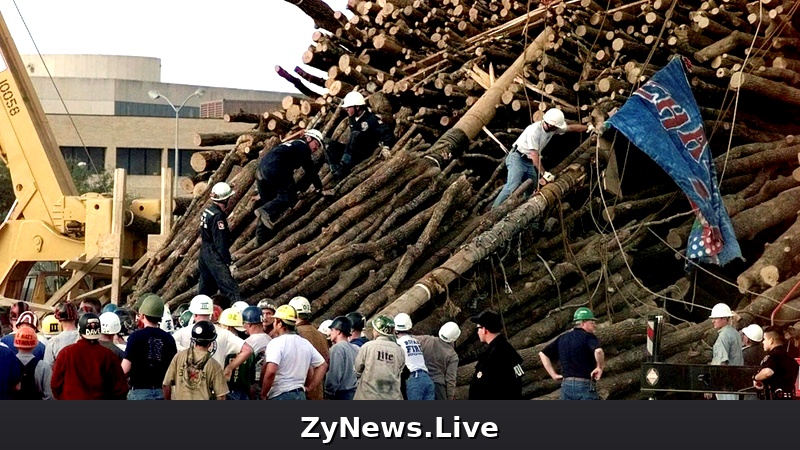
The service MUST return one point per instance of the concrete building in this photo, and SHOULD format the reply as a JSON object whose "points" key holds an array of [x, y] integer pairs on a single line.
{"points": [[113, 122]]}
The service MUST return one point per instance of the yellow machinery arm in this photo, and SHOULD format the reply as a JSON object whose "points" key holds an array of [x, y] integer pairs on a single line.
{"points": [[49, 221]]}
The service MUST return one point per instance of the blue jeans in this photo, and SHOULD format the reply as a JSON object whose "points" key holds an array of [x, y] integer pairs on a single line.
{"points": [[578, 389], [237, 395], [344, 395], [145, 394], [520, 168], [419, 386], [297, 394]]}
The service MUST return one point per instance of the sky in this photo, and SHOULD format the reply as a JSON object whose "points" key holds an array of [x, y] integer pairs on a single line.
{"points": [[229, 43]]}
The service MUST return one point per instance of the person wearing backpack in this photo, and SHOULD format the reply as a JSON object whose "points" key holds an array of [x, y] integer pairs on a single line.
{"points": [[36, 376]]}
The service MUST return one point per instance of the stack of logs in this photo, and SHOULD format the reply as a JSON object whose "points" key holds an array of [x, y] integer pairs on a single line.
{"points": [[402, 226]]}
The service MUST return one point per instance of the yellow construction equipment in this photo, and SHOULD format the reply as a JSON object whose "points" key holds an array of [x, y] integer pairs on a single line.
{"points": [[49, 221]]}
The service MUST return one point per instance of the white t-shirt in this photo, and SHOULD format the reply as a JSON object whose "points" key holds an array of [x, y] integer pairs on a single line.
{"points": [[414, 359], [227, 342], [293, 355], [534, 138]]}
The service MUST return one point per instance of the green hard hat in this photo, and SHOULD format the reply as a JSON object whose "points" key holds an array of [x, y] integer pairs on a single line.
{"points": [[583, 313], [185, 318], [152, 306], [383, 325]]}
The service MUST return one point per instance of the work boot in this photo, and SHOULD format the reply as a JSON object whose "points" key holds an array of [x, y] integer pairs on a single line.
{"points": [[264, 218]]}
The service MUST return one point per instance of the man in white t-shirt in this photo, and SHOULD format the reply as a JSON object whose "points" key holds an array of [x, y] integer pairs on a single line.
{"points": [[258, 340], [293, 365], [201, 308], [524, 160], [419, 385]]}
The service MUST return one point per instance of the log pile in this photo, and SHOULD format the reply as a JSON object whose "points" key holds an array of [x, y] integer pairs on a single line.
{"points": [[459, 80]]}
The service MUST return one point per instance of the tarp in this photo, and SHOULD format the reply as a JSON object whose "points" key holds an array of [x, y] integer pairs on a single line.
{"points": [[663, 120]]}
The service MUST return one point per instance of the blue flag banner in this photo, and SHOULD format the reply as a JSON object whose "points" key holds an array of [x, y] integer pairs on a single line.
{"points": [[662, 119]]}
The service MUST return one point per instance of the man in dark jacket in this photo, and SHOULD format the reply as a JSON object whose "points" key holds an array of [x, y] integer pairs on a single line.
{"points": [[215, 263], [778, 375], [367, 132], [86, 370], [275, 179], [498, 374], [582, 359]]}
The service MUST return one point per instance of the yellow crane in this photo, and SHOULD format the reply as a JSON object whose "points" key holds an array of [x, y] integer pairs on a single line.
{"points": [[49, 221]]}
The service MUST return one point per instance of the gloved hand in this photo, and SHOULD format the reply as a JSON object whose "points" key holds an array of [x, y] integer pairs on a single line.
{"points": [[328, 193], [549, 177], [385, 152], [346, 159], [234, 270], [591, 128]]}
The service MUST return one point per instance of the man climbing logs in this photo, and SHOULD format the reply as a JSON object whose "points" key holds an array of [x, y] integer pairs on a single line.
{"points": [[367, 132], [277, 189], [524, 160], [215, 263]]}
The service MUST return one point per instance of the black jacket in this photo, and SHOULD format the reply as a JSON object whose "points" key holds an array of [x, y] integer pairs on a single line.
{"points": [[215, 234], [279, 164], [497, 375], [366, 133]]}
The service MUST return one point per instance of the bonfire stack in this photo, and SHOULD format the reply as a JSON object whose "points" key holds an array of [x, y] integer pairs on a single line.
{"points": [[459, 80]]}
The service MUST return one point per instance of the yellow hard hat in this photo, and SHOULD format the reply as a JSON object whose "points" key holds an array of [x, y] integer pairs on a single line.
{"points": [[50, 325], [286, 313], [231, 317]]}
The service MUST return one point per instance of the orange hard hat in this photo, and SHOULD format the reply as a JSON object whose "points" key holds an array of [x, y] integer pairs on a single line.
{"points": [[25, 338]]}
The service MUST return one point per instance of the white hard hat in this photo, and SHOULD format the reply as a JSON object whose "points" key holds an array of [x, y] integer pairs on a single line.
{"points": [[301, 305], [450, 332], [325, 327], [317, 136], [555, 118], [402, 322], [221, 191], [753, 332], [202, 305], [720, 310], [240, 306], [109, 323], [353, 99], [167, 323]]}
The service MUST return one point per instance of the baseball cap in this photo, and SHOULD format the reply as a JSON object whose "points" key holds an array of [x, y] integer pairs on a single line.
{"points": [[489, 320]]}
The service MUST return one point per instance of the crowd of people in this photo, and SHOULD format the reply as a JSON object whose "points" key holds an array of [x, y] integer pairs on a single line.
{"points": [[204, 352]]}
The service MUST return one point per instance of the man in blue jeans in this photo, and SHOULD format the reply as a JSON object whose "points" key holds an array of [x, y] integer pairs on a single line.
{"points": [[419, 385], [148, 353], [524, 160], [582, 359]]}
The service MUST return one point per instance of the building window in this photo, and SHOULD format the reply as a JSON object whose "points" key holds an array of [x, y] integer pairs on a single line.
{"points": [[139, 161], [94, 157], [185, 162]]}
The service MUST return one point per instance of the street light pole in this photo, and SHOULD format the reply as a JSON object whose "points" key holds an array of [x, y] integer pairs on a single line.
{"points": [[156, 95]]}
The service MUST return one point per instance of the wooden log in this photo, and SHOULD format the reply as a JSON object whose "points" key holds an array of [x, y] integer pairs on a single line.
{"points": [[295, 81], [778, 262], [725, 45], [320, 13], [767, 88], [786, 63]]}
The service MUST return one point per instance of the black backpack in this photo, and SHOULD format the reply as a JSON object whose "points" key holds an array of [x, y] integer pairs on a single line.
{"points": [[29, 389]]}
